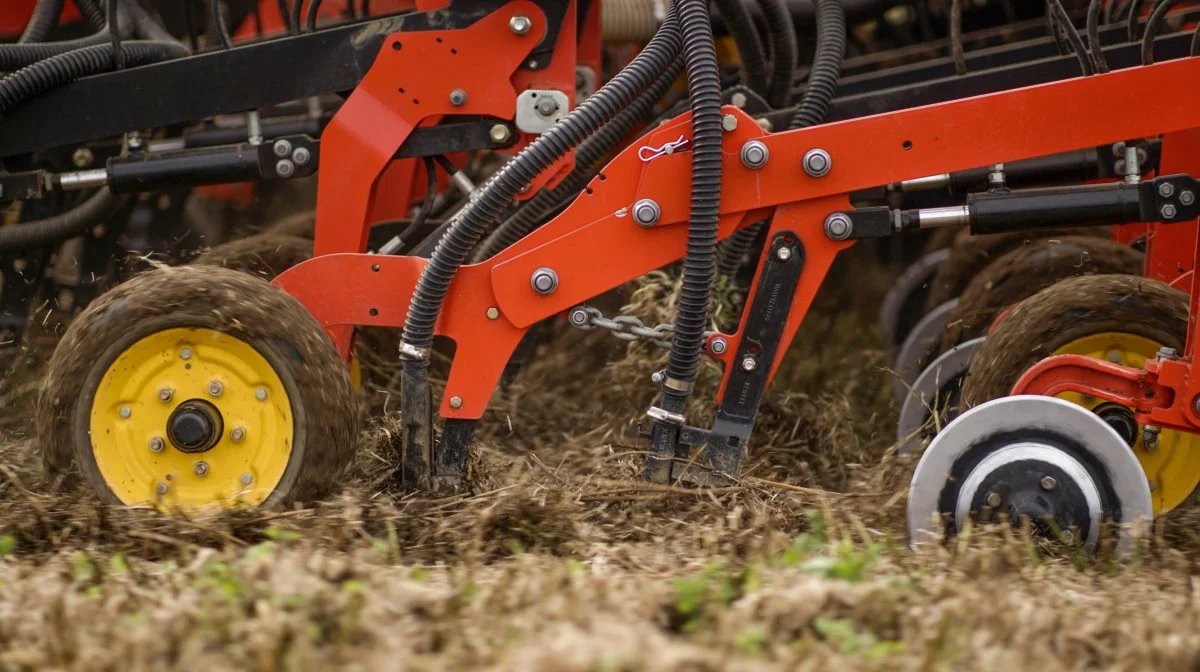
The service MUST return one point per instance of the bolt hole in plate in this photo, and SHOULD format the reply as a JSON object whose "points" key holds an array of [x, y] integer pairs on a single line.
{"points": [[1054, 421], [121, 446]]}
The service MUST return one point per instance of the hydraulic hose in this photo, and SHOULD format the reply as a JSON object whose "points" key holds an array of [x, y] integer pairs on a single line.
{"points": [[57, 228], [44, 19], [1073, 37], [16, 56], [62, 69], [1153, 25], [782, 38], [956, 38], [1099, 62], [826, 68], [750, 49], [1131, 22], [587, 162], [458, 240], [704, 92], [92, 12]]}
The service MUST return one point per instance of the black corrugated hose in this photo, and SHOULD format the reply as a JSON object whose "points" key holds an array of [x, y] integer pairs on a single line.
{"points": [[56, 71], [44, 19], [704, 92], [1073, 37], [750, 49], [1153, 25], [1131, 22], [827, 65], [57, 228], [1099, 62], [781, 34], [92, 12], [462, 236], [134, 22], [588, 160]]}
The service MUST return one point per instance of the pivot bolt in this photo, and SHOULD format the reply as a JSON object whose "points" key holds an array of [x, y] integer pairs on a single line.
{"points": [[301, 156], [458, 97], [838, 226], [1167, 211], [285, 168], [499, 134], [783, 253], [646, 212], [729, 123], [282, 148], [185, 353], [455, 402], [738, 99], [165, 394], [1186, 197], [157, 444], [520, 24], [718, 345], [126, 412], [546, 107], [1048, 483], [1166, 189], [749, 363], [993, 499], [247, 479], [260, 394], [201, 469], [544, 281], [817, 162], [215, 388], [755, 154], [578, 316], [237, 434], [493, 313]]}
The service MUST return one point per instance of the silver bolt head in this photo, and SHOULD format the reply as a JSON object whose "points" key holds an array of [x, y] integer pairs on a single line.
{"points": [[765, 124], [544, 281], [260, 394], [1168, 211], [284, 168], [1167, 353], [126, 411], [301, 156], [1186, 197], [729, 123], [493, 313], [817, 162], [83, 157], [1048, 483], [783, 253], [755, 154], [247, 479], [201, 469], [738, 99], [658, 377], [838, 226], [237, 434], [749, 363], [578, 317], [185, 353], [993, 499], [520, 24], [458, 97], [546, 107], [165, 394], [157, 444], [718, 345], [455, 402], [1166, 189], [281, 148], [646, 212], [499, 133], [215, 388], [161, 488]]}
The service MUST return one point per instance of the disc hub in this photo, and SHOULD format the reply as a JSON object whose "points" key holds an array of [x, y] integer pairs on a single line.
{"points": [[195, 426]]}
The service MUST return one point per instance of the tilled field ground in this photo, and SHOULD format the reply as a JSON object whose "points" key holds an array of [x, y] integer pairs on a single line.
{"points": [[559, 558]]}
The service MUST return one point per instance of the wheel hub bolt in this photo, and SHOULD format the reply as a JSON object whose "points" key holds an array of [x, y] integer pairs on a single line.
{"points": [[215, 388], [1167, 353], [718, 345], [126, 412], [749, 363], [165, 394], [755, 154], [237, 433], [817, 162], [1048, 483], [201, 469], [260, 394], [247, 479], [1167, 211], [646, 212], [1114, 356], [838, 226], [520, 24], [1150, 436], [544, 281], [157, 444], [185, 353], [993, 499], [161, 489]]}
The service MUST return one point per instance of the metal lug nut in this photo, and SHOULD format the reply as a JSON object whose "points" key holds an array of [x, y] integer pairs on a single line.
{"points": [[718, 345], [1167, 353], [1166, 189], [260, 394], [201, 469], [646, 212], [1048, 483], [161, 489], [993, 499], [237, 434], [458, 97], [755, 154], [499, 133], [544, 281], [1186, 197], [185, 353], [729, 123], [838, 226], [749, 363], [1150, 436], [157, 444], [285, 168], [493, 313], [165, 394], [1167, 211], [301, 156], [455, 402], [817, 162], [215, 388], [783, 253], [126, 412], [247, 479], [520, 24], [281, 148]]}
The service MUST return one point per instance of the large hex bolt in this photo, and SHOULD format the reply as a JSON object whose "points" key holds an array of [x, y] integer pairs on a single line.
{"points": [[544, 281], [838, 226], [499, 134], [458, 97], [755, 154], [646, 212], [817, 162], [520, 24]]}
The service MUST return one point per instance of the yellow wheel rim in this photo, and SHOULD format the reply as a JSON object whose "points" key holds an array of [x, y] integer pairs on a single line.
{"points": [[155, 380], [356, 379], [1172, 466]]}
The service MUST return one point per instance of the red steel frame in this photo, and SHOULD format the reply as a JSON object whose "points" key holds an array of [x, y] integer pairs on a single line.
{"points": [[595, 246]]}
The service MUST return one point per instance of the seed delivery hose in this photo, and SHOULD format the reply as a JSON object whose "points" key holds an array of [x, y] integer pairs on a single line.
{"points": [[57, 228], [750, 49], [44, 19], [134, 22], [457, 242]]}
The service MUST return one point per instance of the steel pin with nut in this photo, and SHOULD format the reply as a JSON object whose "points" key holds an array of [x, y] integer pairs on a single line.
{"points": [[646, 212], [838, 226], [520, 24], [544, 281]]}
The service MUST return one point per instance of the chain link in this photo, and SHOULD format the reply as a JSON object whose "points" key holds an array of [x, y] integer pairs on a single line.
{"points": [[624, 327]]}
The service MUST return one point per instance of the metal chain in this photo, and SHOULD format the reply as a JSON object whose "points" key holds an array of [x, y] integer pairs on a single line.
{"points": [[624, 327]]}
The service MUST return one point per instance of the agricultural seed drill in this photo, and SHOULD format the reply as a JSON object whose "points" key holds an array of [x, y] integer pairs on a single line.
{"points": [[194, 385]]}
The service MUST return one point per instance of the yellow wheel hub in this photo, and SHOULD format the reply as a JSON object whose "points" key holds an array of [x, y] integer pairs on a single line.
{"points": [[1172, 465], [191, 385]]}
